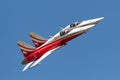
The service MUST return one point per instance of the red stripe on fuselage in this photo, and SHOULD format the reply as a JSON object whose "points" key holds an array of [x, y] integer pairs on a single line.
{"points": [[41, 51], [38, 53]]}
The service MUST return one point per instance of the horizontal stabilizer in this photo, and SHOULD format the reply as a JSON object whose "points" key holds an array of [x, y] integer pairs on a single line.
{"points": [[37, 40], [25, 48]]}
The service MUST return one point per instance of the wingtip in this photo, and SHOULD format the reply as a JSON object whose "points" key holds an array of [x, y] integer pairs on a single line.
{"points": [[23, 70]]}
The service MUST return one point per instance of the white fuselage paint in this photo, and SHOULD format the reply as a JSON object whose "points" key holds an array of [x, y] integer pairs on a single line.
{"points": [[78, 29], [82, 27]]}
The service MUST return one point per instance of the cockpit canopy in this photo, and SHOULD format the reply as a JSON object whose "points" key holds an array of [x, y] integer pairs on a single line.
{"points": [[63, 32], [74, 24]]}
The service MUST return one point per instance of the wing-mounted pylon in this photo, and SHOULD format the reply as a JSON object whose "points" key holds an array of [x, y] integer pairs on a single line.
{"points": [[36, 39]]}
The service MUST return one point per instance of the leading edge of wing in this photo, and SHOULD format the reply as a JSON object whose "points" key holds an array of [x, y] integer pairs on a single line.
{"points": [[44, 56], [34, 63], [27, 66]]}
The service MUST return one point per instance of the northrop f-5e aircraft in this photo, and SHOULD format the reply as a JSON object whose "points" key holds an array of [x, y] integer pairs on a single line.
{"points": [[44, 47]]}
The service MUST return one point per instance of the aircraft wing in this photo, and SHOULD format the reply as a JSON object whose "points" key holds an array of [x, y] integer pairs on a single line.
{"points": [[44, 56], [27, 66], [35, 63]]}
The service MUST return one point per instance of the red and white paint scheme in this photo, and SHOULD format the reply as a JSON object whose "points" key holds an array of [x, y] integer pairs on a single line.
{"points": [[43, 47]]}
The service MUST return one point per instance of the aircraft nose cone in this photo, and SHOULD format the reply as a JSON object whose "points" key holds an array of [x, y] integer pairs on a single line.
{"points": [[97, 19], [91, 23], [102, 18]]}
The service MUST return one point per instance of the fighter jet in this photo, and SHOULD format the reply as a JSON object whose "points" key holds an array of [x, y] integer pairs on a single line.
{"points": [[44, 47]]}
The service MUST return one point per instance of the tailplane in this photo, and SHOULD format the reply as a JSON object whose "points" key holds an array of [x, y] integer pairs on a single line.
{"points": [[37, 40], [25, 48]]}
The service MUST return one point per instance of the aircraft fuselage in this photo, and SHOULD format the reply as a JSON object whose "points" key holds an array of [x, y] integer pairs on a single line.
{"points": [[57, 41]]}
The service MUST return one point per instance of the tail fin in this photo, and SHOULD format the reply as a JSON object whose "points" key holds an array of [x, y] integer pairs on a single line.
{"points": [[25, 48], [37, 40]]}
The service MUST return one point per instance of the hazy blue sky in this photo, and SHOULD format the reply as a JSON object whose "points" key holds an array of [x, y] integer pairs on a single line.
{"points": [[92, 56]]}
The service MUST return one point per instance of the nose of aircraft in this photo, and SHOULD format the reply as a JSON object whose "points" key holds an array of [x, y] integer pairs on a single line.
{"points": [[97, 19], [92, 23]]}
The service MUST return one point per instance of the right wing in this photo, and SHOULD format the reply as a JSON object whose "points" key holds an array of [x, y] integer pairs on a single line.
{"points": [[37, 40], [25, 48]]}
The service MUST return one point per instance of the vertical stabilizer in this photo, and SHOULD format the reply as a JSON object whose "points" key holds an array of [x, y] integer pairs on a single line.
{"points": [[25, 48]]}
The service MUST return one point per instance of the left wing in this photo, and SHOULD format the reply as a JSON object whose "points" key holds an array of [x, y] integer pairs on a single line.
{"points": [[27, 66], [44, 56], [35, 63]]}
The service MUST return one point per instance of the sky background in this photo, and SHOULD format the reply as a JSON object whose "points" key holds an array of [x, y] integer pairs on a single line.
{"points": [[92, 56]]}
